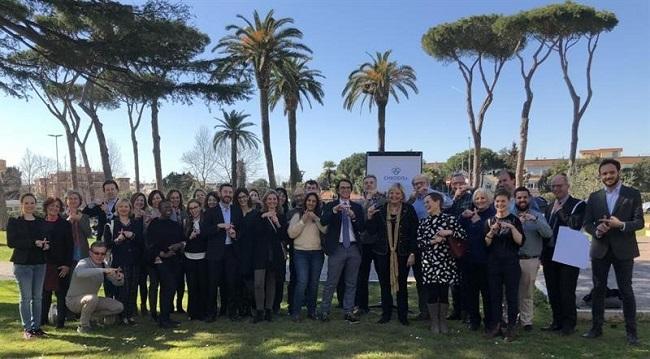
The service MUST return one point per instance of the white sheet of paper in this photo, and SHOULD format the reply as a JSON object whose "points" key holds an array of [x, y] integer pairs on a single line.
{"points": [[571, 248]]}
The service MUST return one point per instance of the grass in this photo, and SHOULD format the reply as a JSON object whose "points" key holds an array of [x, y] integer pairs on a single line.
{"points": [[5, 252], [308, 339]]}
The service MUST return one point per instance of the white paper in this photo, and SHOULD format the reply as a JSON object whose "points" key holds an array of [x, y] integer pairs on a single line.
{"points": [[571, 248]]}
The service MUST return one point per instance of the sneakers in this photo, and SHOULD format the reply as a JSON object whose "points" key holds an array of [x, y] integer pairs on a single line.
{"points": [[324, 317], [39, 332], [27, 334], [351, 318], [82, 329]]}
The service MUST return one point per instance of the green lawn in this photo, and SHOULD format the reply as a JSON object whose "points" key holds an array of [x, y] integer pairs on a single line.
{"points": [[5, 252], [283, 338]]}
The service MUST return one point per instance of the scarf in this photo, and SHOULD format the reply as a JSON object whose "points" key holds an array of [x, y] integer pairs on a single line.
{"points": [[393, 238]]}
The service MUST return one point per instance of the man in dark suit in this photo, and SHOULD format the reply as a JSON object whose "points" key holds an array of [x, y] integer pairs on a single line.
{"points": [[561, 279], [103, 210], [344, 219], [612, 217], [220, 230]]}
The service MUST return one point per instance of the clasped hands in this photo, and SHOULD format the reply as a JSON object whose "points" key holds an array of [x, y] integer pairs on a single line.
{"points": [[606, 224]]}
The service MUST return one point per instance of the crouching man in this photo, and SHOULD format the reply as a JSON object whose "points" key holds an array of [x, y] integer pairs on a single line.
{"points": [[87, 277]]}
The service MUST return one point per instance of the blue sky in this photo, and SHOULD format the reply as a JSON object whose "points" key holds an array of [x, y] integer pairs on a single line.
{"points": [[433, 121]]}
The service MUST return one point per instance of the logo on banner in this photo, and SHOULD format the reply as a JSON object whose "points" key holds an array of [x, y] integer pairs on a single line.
{"points": [[395, 177], [396, 170]]}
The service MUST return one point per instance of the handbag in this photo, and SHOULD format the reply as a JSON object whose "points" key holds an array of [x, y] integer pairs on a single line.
{"points": [[457, 247]]}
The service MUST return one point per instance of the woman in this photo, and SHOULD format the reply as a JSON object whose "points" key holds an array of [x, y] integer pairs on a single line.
{"points": [[283, 207], [80, 224], [503, 236], [195, 262], [211, 200], [283, 199], [139, 205], [199, 195], [153, 212], [305, 230], [247, 233], [438, 265], [178, 215], [255, 198], [25, 235], [269, 256], [475, 260], [59, 260], [123, 236], [395, 226]]}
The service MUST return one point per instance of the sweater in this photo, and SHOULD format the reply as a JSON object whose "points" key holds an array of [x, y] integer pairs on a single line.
{"points": [[22, 235], [87, 277], [306, 236]]}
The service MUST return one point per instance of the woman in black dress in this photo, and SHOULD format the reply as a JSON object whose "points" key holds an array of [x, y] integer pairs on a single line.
{"points": [[195, 263], [395, 225], [246, 236], [438, 264]]}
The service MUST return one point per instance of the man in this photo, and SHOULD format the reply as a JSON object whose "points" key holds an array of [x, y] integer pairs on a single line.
{"points": [[86, 279], [561, 279], [219, 227], [345, 222], [507, 182], [370, 197], [104, 210], [462, 200], [166, 241], [612, 217], [312, 186], [536, 232]]}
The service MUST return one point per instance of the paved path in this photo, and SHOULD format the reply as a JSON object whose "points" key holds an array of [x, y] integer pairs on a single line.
{"points": [[6, 271]]}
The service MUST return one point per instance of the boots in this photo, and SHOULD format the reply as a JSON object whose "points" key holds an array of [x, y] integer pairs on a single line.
{"points": [[259, 316], [434, 314], [444, 329]]}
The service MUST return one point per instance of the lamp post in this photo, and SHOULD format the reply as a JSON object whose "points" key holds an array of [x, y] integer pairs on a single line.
{"points": [[56, 144]]}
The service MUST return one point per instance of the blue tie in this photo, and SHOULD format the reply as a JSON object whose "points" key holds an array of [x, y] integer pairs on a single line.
{"points": [[345, 227]]}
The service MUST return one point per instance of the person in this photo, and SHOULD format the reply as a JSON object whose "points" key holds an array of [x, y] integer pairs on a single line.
{"points": [[345, 221], [178, 215], [219, 227], [283, 206], [371, 196], [154, 199], [167, 241], [59, 260], [103, 209], [561, 279], [506, 181], [504, 237], [87, 277], [305, 232], [297, 203], [312, 186], [612, 217], [256, 199], [211, 200], [123, 237], [246, 238], [80, 224], [140, 208], [474, 271], [462, 200], [394, 225], [536, 231], [269, 255], [199, 195], [25, 235], [194, 261], [438, 265]]}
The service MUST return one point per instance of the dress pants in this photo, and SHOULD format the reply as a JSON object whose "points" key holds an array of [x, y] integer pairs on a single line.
{"points": [[476, 277], [561, 281], [91, 306], [233, 279], [197, 285], [367, 257], [382, 265], [344, 262], [215, 274], [504, 272], [154, 283], [168, 271], [623, 268], [529, 268], [127, 294]]}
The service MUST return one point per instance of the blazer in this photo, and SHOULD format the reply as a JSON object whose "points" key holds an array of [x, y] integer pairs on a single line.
{"points": [[621, 241], [333, 221], [268, 244], [61, 244], [407, 233], [21, 236], [129, 251], [214, 236], [96, 212], [570, 215]]}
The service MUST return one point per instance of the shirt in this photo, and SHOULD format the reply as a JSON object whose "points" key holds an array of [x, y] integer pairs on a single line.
{"points": [[225, 209], [535, 232], [346, 218], [503, 246], [612, 196]]}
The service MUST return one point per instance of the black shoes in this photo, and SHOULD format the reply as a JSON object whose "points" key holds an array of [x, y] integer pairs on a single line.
{"points": [[528, 328], [324, 317], [565, 332], [404, 321], [258, 317], [632, 339], [383, 320], [553, 327], [268, 315], [351, 318], [593, 333]]}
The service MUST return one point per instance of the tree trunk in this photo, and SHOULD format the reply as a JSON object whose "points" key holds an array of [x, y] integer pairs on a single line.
{"points": [[574, 140], [136, 160], [476, 167], [523, 134], [72, 153], [241, 173], [233, 160], [155, 134], [4, 215], [101, 140], [381, 126], [294, 171], [89, 177], [266, 133]]}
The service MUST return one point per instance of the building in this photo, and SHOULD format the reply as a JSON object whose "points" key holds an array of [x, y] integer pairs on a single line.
{"points": [[3, 165], [57, 184]]}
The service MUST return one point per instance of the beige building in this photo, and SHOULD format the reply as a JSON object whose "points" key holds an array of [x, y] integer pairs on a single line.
{"points": [[57, 184]]}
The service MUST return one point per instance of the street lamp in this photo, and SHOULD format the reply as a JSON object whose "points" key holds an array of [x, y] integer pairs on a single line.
{"points": [[56, 144]]}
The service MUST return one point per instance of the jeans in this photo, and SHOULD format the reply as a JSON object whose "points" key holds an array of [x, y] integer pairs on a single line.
{"points": [[30, 283], [308, 265]]}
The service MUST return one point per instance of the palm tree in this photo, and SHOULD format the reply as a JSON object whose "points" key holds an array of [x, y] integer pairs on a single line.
{"points": [[293, 83], [261, 46], [375, 82], [233, 128]]}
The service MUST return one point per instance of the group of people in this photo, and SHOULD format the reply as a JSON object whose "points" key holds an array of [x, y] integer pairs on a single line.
{"points": [[230, 249]]}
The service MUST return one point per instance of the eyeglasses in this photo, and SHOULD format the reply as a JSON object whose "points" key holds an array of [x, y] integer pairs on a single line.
{"points": [[193, 207], [345, 187], [98, 253]]}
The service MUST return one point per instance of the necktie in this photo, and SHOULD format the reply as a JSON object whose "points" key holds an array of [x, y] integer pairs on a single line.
{"points": [[345, 227]]}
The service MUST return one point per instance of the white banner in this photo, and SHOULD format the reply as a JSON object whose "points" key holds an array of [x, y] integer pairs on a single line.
{"points": [[392, 167]]}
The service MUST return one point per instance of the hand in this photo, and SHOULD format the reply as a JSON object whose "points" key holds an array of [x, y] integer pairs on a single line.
{"points": [[138, 212], [63, 271], [75, 217], [39, 243], [350, 213], [467, 213], [274, 219], [475, 217], [128, 234], [411, 260], [111, 271], [612, 222], [494, 229], [176, 247], [119, 276], [194, 234], [371, 211], [232, 233], [437, 239], [103, 206], [338, 208], [307, 217], [460, 191], [226, 226], [526, 217], [445, 233], [507, 225]]}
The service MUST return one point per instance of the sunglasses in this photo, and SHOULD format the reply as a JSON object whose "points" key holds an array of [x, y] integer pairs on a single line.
{"points": [[98, 253]]}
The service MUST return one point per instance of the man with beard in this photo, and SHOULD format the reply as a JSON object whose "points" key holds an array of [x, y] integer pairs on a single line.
{"points": [[536, 231], [561, 279], [612, 217]]}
